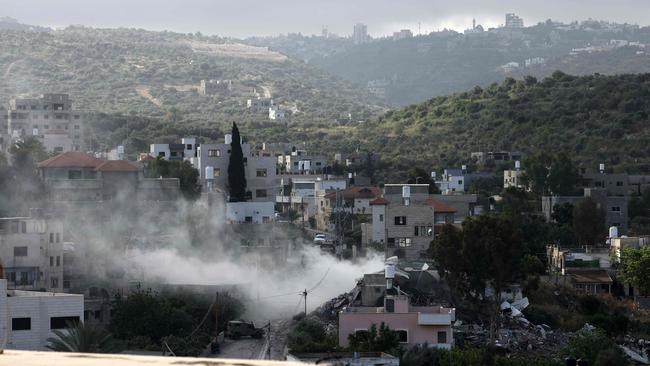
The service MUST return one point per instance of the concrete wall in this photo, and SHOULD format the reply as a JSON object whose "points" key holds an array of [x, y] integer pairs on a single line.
{"points": [[258, 212]]}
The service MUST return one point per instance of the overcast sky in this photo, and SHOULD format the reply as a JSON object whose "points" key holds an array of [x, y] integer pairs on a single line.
{"points": [[242, 18]]}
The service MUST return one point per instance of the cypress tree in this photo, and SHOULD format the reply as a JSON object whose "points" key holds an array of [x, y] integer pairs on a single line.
{"points": [[236, 171]]}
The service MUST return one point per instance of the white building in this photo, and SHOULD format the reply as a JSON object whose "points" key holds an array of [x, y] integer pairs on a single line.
{"points": [[300, 162], [259, 103], [513, 178], [402, 34], [452, 181], [27, 318], [276, 113], [186, 150], [360, 34], [513, 21], [250, 212], [213, 160], [31, 252]]}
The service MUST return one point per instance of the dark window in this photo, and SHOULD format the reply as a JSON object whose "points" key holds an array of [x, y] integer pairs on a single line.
{"points": [[403, 336], [74, 174], [619, 184], [174, 153], [51, 237], [21, 323], [62, 322], [58, 261], [416, 231], [390, 305], [390, 242], [51, 261], [442, 337], [58, 237], [55, 282], [20, 251], [260, 193], [161, 154], [400, 220], [248, 219], [23, 227], [189, 147]]}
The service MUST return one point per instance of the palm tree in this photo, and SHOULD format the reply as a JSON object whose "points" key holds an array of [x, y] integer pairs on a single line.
{"points": [[83, 338]]}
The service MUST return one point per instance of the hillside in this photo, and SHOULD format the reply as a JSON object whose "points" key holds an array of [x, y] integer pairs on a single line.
{"points": [[440, 63], [593, 118], [157, 74]]}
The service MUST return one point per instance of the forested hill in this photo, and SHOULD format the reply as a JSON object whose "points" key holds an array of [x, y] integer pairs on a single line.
{"points": [[593, 118], [157, 74]]}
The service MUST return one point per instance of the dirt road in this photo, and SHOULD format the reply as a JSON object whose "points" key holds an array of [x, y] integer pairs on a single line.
{"points": [[252, 349]]}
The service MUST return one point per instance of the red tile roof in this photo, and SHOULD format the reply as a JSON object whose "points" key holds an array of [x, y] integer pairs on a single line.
{"points": [[439, 206], [71, 159], [379, 201], [356, 192], [116, 166]]}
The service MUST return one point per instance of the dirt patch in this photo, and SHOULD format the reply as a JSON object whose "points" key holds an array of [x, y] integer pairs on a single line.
{"points": [[144, 91], [182, 87], [237, 50]]}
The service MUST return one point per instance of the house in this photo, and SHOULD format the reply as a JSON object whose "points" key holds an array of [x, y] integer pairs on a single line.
{"points": [[250, 212], [353, 200], [277, 114], [615, 207], [466, 205], [51, 119], [514, 178], [451, 181], [186, 150], [415, 325], [584, 269], [29, 317], [260, 103], [214, 87], [260, 169], [491, 157], [79, 177], [301, 162], [592, 281], [617, 245], [31, 252], [303, 194]]}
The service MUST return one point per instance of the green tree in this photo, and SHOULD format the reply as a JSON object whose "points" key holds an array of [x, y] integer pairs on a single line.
{"points": [[635, 266], [589, 222], [536, 175], [310, 336], [187, 175], [83, 338], [563, 213], [236, 170], [514, 203], [375, 340], [594, 346], [563, 176], [420, 176]]}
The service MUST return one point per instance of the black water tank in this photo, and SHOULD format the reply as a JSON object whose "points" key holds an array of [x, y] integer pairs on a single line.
{"points": [[570, 361]]}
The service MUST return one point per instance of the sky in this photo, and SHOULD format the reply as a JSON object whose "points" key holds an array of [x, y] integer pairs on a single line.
{"points": [[244, 18]]}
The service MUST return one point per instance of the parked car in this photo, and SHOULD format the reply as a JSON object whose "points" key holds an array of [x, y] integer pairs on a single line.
{"points": [[320, 239]]}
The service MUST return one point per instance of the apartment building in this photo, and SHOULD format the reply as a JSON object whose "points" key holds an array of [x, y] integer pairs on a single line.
{"points": [[353, 200], [31, 251], [214, 87], [514, 179], [28, 318], [615, 207], [51, 119], [186, 150], [213, 160]]}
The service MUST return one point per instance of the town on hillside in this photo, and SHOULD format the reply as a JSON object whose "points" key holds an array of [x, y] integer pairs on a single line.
{"points": [[504, 225]]}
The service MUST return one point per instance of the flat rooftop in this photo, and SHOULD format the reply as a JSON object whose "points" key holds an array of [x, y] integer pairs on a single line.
{"points": [[21, 293]]}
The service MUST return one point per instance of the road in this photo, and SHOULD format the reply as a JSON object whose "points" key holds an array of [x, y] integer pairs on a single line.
{"points": [[251, 349]]}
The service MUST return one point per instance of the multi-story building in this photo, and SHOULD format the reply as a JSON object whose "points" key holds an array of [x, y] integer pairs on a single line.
{"points": [[213, 160], [79, 177], [615, 207], [483, 157], [402, 34], [452, 181], [28, 318], [300, 162], [514, 178], [353, 200], [360, 34], [186, 150], [260, 103], [212, 87], [513, 21], [51, 119], [31, 250]]}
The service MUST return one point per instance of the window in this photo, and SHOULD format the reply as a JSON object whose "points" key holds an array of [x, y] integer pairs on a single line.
{"points": [[76, 116], [174, 154], [62, 322], [161, 154], [404, 242], [24, 278], [51, 237], [260, 193], [47, 127], [390, 305], [20, 251], [403, 335], [616, 209], [58, 261], [248, 219], [76, 136], [619, 184], [214, 153], [217, 172], [442, 337], [23, 227], [55, 282], [21, 323], [381, 218], [390, 242], [416, 232], [261, 172], [188, 147], [400, 220], [58, 237], [51, 261], [76, 127], [74, 174], [265, 219]]}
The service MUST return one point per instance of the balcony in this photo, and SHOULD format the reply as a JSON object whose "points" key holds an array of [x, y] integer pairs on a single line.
{"points": [[75, 183], [434, 319]]}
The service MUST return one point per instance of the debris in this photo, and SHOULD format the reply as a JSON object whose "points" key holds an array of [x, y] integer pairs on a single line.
{"points": [[635, 356]]}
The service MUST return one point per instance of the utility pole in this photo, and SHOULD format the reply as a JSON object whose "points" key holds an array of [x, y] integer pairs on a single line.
{"points": [[304, 293], [268, 340]]}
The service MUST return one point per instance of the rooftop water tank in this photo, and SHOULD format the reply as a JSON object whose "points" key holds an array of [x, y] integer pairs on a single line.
{"points": [[209, 172], [228, 138], [613, 232]]}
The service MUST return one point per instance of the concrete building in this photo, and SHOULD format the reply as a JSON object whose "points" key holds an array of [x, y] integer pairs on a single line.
{"points": [[514, 178], [31, 251], [466, 205], [353, 200], [300, 162], [186, 150], [513, 21], [259, 103], [615, 207], [619, 244], [415, 325], [486, 157], [277, 114], [27, 318], [360, 34], [250, 212], [402, 34], [214, 87], [78, 177], [213, 160], [451, 181], [51, 119], [300, 193]]}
